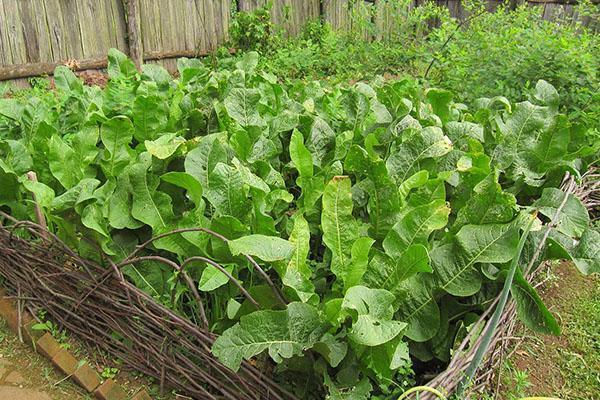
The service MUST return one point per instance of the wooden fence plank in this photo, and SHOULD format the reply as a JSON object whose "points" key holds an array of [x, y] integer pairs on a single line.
{"points": [[16, 40], [72, 34], [134, 33], [30, 34], [5, 54], [119, 24], [55, 23]]}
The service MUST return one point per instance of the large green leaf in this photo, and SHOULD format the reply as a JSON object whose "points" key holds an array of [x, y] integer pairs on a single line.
{"points": [[320, 141], [241, 105], [519, 129], [388, 273], [531, 308], [284, 334], [384, 200], [9, 184], [202, 160], [573, 219], [374, 308], [406, 159], [226, 192], [165, 146], [116, 135], [418, 308], [493, 243], [212, 278], [150, 115], [66, 164], [587, 253], [187, 182], [297, 274], [455, 271], [300, 155], [267, 248], [416, 226], [150, 206], [488, 205], [340, 229]]}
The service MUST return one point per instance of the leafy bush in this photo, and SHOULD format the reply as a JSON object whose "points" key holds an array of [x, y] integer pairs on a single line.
{"points": [[506, 52], [253, 30], [383, 215]]}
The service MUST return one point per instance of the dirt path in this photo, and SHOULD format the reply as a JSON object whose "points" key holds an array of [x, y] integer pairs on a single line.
{"points": [[565, 366], [24, 375]]}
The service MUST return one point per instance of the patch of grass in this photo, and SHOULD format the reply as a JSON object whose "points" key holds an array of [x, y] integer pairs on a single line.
{"points": [[568, 366], [580, 362], [516, 380]]}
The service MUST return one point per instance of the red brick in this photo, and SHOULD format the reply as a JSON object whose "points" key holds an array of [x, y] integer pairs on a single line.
{"points": [[65, 361], [8, 311], [110, 390], [87, 378], [142, 395], [47, 346]]}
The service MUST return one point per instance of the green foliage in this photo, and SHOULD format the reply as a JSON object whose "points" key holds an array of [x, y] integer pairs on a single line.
{"points": [[253, 30], [378, 211], [507, 52]]}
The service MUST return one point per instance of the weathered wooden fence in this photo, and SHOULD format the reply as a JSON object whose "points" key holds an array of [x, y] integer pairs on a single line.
{"points": [[37, 35]]}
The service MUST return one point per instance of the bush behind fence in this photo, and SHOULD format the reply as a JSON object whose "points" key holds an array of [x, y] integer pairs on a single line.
{"points": [[35, 35]]}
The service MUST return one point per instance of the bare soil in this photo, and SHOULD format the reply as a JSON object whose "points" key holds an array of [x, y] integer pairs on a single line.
{"points": [[25, 375], [565, 366]]}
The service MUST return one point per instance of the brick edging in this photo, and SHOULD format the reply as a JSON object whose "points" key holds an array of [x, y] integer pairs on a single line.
{"points": [[46, 345]]}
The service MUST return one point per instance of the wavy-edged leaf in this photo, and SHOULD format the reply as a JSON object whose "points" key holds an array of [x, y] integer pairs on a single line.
{"points": [[418, 308], [267, 248], [284, 334], [242, 106], [340, 229], [388, 273], [374, 307], [406, 159], [416, 226], [531, 309], [203, 159], [212, 278], [297, 274], [165, 146], [573, 219], [149, 205], [187, 182], [150, 115], [488, 205], [116, 135], [300, 155], [226, 192], [587, 253]]}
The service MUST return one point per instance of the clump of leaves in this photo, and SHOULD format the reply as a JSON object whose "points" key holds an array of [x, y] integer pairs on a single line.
{"points": [[384, 215], [253, 30], [507, 52]]}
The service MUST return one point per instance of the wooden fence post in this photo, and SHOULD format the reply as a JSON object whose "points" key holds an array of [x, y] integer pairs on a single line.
{"points": [[134, 37]]}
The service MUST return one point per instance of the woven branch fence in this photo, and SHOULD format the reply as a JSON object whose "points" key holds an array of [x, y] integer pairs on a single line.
{"points": [[99, 306], [107, 312], [504, 339]]}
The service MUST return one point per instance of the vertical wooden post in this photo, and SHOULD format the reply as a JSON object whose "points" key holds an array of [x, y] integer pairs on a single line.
{"points": [[134, 36]]}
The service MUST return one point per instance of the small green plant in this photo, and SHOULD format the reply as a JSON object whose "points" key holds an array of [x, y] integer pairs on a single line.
{"points": [[109, 372], [253, 30], [48, 326]]}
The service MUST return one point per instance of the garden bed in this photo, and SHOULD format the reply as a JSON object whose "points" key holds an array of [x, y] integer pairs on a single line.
{"points": [[236, 236], [99, 307]]}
